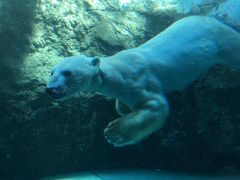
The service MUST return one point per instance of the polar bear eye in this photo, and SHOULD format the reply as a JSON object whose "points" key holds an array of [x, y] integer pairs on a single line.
{"points": [[67, 73]]}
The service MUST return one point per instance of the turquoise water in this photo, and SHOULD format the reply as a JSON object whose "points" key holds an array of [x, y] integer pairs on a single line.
{"points": [[141, 175], [41, 137]]}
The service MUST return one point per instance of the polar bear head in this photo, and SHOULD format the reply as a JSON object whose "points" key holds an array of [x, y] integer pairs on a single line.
{"points": [[72, 75]]}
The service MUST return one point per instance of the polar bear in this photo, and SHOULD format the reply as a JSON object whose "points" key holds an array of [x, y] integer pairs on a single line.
{"points": [[139, 78]]}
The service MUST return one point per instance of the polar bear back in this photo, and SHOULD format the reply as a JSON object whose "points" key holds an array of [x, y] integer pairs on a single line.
{"points": [[184, 51]]}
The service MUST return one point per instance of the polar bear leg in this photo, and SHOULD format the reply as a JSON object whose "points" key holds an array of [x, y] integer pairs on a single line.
{"points": [[121, 108], [135, 126]]}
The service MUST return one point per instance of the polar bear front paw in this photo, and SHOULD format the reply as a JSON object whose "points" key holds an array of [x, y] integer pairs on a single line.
{"points": [[126, 130], [135, 126], [118, 134]]}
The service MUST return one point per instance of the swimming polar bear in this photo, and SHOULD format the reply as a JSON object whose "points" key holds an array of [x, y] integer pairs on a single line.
{"points": [[139, 78]]}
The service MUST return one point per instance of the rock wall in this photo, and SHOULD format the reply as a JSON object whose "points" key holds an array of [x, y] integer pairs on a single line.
{"points": [[41, 137]]}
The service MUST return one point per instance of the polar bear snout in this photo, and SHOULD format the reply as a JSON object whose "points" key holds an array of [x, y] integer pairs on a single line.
{"points": [[55, 93]]}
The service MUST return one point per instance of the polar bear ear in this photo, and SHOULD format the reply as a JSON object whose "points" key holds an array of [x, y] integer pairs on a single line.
{"points": [[95, 61]]}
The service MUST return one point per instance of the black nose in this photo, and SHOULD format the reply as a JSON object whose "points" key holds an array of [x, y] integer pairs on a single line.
{"points": [[49, 91]]}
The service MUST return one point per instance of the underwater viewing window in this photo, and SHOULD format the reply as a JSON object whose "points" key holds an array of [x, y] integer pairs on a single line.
{"points": [[119, 89]]}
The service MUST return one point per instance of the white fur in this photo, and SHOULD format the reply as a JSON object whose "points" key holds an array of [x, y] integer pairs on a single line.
{"points": [[139, 78]]}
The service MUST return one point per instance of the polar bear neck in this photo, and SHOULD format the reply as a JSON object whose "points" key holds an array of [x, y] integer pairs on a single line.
{"points": [[110, 80], [116, 75]]}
